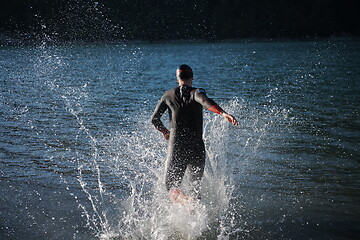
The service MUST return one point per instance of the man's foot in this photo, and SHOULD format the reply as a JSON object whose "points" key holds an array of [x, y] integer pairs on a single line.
{"points": [[176, 196]]}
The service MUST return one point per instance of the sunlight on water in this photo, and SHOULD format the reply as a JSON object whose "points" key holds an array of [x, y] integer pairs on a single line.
{"points": [[79, 150]]}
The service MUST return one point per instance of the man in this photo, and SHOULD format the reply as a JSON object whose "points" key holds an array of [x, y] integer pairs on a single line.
{"points": [[186, 147]]}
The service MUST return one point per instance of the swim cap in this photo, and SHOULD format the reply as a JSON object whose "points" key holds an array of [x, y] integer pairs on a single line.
{"points": [[184, 72]]}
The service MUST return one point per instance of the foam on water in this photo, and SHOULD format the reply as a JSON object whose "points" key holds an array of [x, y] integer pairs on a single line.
{"points": [[148, 212], [140, 207]]}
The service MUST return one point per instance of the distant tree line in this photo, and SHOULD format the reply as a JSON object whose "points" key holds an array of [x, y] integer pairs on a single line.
{"points": [[96, 20]]}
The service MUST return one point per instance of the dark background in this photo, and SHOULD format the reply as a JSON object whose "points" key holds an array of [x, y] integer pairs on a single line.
{"points": [[99, 20]]}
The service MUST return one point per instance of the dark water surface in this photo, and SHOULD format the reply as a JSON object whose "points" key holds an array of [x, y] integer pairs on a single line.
{"points": [[79, 159]]}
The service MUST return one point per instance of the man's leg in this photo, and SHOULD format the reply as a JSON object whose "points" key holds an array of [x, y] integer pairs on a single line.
{"points": [[174, 177], [196, 171], [174, 174]]}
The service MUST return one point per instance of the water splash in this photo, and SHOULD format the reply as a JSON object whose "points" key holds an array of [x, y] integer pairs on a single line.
{"points": [[121, 175], [135, 159], [126, 196]]}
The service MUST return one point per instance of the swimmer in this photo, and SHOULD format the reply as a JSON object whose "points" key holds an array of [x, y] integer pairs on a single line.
{"points": [[186, 149]]}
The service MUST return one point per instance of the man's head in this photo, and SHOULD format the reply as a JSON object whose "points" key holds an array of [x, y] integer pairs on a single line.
{"points": [[184, 72]]}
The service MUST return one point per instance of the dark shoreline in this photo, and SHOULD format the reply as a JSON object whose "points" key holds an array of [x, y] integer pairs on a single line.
{"points": [[18, 40]]}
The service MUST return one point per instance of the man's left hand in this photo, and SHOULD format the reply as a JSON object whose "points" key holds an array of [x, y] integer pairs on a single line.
{"points": [[230, 118]]}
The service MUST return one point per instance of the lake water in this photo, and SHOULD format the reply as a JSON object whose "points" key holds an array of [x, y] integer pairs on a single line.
{"points": [[80, 160]]}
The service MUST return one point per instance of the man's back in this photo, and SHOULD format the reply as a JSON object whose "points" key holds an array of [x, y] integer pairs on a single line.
{"points": [[185, 105]]}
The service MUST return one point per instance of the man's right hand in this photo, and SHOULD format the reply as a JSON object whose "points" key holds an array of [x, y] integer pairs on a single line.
{"points": [[166, 135]]}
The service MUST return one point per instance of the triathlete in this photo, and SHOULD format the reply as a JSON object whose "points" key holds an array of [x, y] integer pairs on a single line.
{"points": [[186, 147]]}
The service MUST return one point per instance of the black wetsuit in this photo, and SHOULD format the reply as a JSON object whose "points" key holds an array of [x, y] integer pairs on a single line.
{"points": [[186, 146]]}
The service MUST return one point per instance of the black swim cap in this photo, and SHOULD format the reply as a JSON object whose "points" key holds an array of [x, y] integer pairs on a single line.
{"points": [[184, 72]]}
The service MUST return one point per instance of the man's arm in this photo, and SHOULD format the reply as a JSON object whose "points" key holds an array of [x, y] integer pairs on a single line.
{"points": [[209, 104], [155, 119]]}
